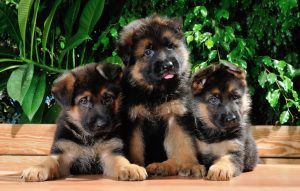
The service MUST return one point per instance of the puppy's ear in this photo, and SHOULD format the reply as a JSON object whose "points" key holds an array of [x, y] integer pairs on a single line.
{"points": [[199, 78], [177, 22], [110, 72], [63, 88], [124, 52], [234, 69]]}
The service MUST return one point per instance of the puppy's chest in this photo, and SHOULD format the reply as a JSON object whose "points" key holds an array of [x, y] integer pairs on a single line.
{"points": [[164, 110], [219, 149]]}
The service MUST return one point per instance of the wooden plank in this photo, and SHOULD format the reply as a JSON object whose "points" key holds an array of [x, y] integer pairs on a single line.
{"points": [[290, 161], [277, 141], [36, 139], [18, 163], [264, 177], [26, 139]]}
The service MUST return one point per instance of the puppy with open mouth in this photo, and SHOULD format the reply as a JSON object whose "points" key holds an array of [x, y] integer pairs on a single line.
{"points": [[158, 119]]}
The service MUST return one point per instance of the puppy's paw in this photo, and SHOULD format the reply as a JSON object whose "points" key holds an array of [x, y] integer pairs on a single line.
{"points": [[132, 172], [192, 170], [165, 168], [220, 172], [39, 173]]}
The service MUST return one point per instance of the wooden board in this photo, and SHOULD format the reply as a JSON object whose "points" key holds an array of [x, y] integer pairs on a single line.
{"points": [[26, 139], [264, 177], [35, 139], [277, 141]]}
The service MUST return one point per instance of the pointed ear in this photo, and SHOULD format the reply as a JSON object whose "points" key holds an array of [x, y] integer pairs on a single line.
{"points": [[200, 77], [234, 69], [63, 88], [110, 72], [177, 22]]}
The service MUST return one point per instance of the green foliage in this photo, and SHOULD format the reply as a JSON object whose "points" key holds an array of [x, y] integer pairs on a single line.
{"points": [[260, 36]]}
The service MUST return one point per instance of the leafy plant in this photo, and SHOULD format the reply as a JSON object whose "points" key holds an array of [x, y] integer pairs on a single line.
{"points": [[42, 48]]}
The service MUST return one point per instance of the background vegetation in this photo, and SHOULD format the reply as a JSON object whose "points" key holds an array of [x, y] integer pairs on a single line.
{"points": [[40, 39]]}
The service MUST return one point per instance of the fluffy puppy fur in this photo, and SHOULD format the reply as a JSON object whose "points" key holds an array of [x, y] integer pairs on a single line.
{"points": [[158, 119], [87, 137], [224, 140]]}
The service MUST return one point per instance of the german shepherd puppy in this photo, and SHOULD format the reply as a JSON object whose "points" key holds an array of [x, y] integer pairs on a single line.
{"points": [[86, 140], [157, 117], [224, 140]]}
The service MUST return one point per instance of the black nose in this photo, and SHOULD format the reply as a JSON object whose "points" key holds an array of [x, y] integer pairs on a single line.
{"points": [[230, 118], [101, 123], [167, 66]]}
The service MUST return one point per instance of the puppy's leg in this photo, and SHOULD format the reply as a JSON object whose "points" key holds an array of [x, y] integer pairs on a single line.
{"points": [[226, 167], [181, 154], [117, 166], [47, 170]]}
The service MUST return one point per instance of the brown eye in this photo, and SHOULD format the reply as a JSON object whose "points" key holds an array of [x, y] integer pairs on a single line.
{"points": [[108, 99], [149, 53], [170, 46]]}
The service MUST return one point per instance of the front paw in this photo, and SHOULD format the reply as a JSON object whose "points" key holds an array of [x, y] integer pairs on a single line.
{"points": [[165, 168], [192, 170], [39, 174], [132, 172], [220, 173]]}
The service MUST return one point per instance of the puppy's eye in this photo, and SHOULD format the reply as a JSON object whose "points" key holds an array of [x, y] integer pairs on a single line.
{"points": [[170, 46], [214, 100], [84, 101], [149, 52], [108, 99], [235, 96]]}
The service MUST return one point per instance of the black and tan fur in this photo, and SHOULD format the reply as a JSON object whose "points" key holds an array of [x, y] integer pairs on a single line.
{"points": [[158, 118], [87, 139], [225, 143]]}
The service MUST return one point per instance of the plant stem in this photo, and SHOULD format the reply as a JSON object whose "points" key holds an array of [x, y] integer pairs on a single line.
{"points": [[73, 58], [36, 6], [45, 67]]}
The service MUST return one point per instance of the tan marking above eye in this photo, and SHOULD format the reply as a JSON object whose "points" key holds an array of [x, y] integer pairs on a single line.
{"points": [[142, 45], [84, 94]]}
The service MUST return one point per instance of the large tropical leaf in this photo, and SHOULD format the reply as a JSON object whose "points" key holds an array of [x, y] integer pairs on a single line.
{"points": [[34, 96], [23, 14], [88, 19], [8, 22], [48, 23], [71, 17], [19, 82]]}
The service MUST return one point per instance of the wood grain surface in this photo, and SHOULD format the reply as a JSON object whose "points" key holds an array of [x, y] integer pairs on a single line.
{"points": [[264, 177]]}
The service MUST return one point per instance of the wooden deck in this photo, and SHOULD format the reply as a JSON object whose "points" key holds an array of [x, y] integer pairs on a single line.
{"points": [[264, 177], [24, 145]]}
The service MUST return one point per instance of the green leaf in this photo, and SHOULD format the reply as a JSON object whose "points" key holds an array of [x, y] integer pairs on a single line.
{"points": [[113, 32], [262, 78], [209, 43], [267, 61], [212, 55], [8, 22], [71, 17], [34, 96], [287, 84], [291, 70], [33, 24], [19, 82], [200, 9], [189, 39], [271, 77], [122, 21], [197, 27], [222, 13], [280, 65], [88, 19], [23, 14], [295, 95], [284, 117], [48, 23], [273, 97], [286, 5]]}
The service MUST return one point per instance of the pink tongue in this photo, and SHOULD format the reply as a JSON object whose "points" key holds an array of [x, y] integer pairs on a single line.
{"points": [[169, 76]]}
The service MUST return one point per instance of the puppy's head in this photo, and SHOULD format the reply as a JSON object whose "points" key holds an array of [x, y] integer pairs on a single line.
{"points": [[221, 94], [154, 51], [90, 96]]}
